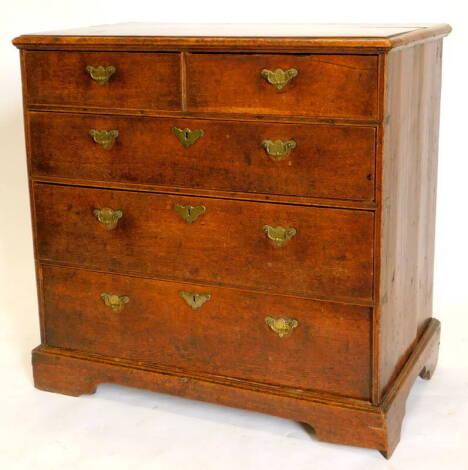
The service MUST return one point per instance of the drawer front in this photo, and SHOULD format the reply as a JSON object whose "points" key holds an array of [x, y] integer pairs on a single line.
{"points": [[287, 159], [328, 349], [317, 252], [344, 86], [140, 80]]}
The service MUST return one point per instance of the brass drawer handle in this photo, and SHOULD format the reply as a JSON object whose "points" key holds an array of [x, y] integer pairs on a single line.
{"points": [[115, 302], [104, 138], [278, 149], [279, 235], [279, 78], [194, 299], [281, 326], [108, 217], [101, 74], [186, 136], [189, 213]]}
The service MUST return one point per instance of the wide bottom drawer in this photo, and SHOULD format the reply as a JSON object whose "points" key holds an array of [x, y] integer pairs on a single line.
{"points": [[274, 339]]}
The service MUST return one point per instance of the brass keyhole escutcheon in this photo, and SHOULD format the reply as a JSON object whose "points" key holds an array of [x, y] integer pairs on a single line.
{"points": [[186, 136], [194, 299], [281, 326], [101, 74], [279, 78], [105, 138], [189, 213], [278, 149], [108, 217], [279, 235], [115, 302]]}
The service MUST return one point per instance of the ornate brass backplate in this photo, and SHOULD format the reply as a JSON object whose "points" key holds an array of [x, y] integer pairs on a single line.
{"points": [[108, 217], [189, 213], [100, 74], [278, 149], [104, 138], [186, 136], [279, 235], [194, 299], [279, 78], [115, 302], [281, 326]]}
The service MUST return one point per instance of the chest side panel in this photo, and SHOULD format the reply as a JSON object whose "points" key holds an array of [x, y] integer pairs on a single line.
{"points": [[408, 201]]}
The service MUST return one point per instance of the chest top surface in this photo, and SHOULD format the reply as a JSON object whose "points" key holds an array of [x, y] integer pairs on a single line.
{"points": [[384, 36]]}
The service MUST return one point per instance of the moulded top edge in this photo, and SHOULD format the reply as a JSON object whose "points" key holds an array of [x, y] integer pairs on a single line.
{"points": [[236, 35]]}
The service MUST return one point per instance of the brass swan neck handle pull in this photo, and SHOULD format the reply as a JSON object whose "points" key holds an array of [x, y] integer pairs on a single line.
{"points": [[194, 299], [105, 138], [115, 302], [282, 326], [101, 74], [278, 149], [108, 217], [279, 78], [189, 213], [279, 235], [186, 136]]}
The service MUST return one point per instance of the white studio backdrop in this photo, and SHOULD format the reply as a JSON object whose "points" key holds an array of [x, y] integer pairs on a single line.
{"points": [[126, 428]]}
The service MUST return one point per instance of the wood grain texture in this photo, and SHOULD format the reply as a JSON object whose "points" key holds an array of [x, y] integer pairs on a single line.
{"points": [[140, 81], [328, 351], [328, 161], [408, 198], [326, 85], [225, 246]]}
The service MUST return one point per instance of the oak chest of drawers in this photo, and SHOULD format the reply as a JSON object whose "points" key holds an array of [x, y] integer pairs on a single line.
{"points": [[243, 216]]}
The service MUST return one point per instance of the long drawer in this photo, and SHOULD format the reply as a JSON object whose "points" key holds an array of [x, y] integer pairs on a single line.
{"points": [[326, 85], [267, 338], [128, 80], [309, 251], [287, 159]]}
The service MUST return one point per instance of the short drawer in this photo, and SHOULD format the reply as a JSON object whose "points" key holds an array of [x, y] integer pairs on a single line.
{"points": [[288, 341], [273, 247], [342, 86], [285, 159], [127, 80]]}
